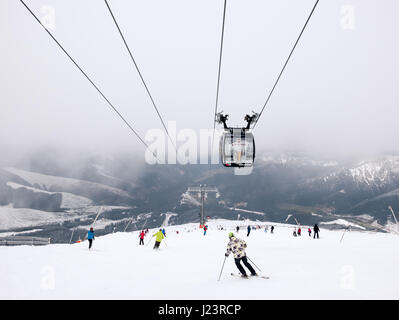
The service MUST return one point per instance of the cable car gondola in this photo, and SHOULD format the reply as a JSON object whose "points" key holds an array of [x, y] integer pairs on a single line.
{"points": [[237, 145]]}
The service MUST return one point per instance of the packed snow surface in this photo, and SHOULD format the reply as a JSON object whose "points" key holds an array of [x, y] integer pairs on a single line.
{"points": [[187, 266]]}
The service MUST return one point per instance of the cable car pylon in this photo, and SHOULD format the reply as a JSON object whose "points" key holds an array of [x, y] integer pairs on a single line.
{"points": [[202, 191]]}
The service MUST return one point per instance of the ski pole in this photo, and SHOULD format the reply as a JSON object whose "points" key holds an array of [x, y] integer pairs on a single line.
{"points": [[164, 242], [254, 264], [149, 242], [222, 268], [343, 234]]}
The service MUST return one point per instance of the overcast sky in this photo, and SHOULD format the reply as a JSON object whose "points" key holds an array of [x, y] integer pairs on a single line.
{"points": [[338, 94]]}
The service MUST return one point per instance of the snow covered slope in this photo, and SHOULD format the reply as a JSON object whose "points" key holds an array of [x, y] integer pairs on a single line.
{"points": [[22, 217], [69, 200], [59, 184], [362, 266]]}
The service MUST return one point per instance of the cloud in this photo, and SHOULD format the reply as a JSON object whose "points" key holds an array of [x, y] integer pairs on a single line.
{"points": [[336, 95]]}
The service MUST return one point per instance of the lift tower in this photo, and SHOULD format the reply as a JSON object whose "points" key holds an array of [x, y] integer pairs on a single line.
{"points": [[202, 190]]}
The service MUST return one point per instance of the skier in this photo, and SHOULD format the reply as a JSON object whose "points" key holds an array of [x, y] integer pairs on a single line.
{"points": [[294, 233], [237, 228], [90, 237], [299, 231], [159, 236], [272, 229], [164, 232], [310, 232], [205, 228], [141, 236], [266, 228], [237, 247], [249, 230], [316, 231]]}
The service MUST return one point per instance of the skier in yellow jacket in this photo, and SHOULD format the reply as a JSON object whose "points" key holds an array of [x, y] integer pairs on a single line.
{"points": [[237, 247], [159, 236]]}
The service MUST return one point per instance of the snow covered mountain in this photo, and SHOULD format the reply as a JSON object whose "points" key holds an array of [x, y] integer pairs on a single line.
{"points": [[63, 184], [349, 188], [311, 190], [372, 175], [30, 199]]}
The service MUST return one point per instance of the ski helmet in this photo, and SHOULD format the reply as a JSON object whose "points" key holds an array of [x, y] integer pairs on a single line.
{"points": [[231, 234]]}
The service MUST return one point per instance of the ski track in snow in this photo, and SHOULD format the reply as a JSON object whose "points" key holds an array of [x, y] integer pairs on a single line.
{"points": [[168, 215], [362, 266], [248, 211], [343, 223]]}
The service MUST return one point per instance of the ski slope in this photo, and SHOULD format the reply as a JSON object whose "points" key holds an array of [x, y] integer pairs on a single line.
{"points": [[69, 200], [362, 266], [62, 184], [11, 218]]}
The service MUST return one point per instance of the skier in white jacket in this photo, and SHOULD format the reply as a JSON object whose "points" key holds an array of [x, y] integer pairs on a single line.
{"points": [[237, 247]]}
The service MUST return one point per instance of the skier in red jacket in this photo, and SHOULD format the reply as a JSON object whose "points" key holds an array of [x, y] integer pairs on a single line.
{"points": [[142, 235]]}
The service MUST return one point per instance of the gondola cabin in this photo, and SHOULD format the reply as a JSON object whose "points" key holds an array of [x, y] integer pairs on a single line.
{"points": [[237, 148]]}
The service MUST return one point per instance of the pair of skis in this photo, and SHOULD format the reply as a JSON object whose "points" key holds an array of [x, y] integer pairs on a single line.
{"points": [[257, 276]]}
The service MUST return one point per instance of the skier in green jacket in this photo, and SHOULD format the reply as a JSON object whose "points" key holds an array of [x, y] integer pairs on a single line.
{"points": [[159, 236]]}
